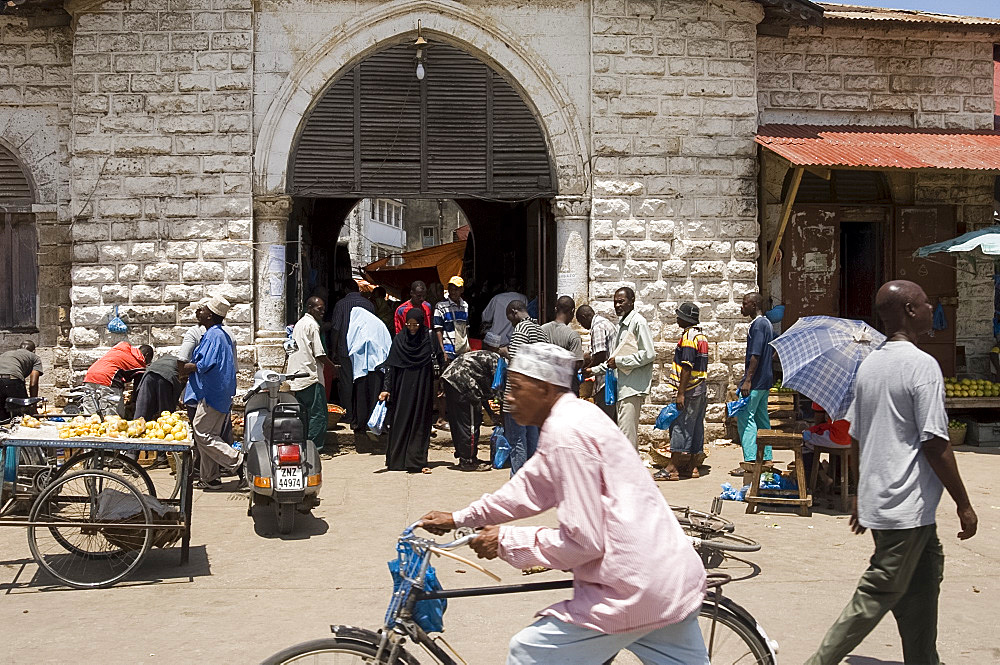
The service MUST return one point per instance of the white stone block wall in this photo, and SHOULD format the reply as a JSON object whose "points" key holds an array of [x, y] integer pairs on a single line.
{"points": [[160, 169], [35, 115], [857, 72], [674, 114]]}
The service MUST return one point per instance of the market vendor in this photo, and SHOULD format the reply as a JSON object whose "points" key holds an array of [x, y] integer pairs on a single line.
{"points": [[108, 376], [826, 433], [211, 385], [16, 367]]}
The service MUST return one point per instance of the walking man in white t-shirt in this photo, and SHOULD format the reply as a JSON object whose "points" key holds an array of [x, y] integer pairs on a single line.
{"points": [[311, 357], [899, 424]]}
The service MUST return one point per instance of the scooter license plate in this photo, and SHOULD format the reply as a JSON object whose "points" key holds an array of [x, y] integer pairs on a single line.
{"points": [[289, 478]]}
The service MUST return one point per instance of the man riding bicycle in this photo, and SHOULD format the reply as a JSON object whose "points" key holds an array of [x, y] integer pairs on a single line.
{"points": [[638, 584]]}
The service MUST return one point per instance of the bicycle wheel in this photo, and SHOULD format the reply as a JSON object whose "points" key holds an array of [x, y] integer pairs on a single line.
{"points": [[111, 462], [89, 552], [730, 638], [336, 651], [701, 521], [726, 542]]}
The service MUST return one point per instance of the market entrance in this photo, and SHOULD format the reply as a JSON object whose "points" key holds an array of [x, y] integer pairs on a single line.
{"points": [[456, 130]]}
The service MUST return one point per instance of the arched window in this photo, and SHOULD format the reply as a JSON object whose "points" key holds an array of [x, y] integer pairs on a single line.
{"points": [[18, 247]]}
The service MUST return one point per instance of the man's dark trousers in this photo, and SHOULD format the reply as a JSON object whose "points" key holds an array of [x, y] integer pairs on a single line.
{"points": [[10, 388], [345, 386], [465, 416], [904, 576]]}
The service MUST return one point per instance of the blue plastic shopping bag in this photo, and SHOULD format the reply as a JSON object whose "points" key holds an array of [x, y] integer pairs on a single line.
{"points": [[429, 614], [499, 374], [668, 415], [376, 423], [734, 407], [610, 387], [501, 447]]}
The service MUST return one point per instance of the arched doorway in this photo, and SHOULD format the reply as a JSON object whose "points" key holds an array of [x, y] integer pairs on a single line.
{"points": [[461, 131], [18, 247]]}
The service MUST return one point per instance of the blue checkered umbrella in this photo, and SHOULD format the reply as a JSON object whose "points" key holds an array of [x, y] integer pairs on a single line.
{"points": [[820, 356]]}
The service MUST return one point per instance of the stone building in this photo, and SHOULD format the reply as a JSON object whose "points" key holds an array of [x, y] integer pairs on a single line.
{"points": [[173, 149]]}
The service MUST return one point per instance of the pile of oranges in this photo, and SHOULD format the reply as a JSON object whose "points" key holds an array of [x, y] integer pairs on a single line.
{"points": [[168, 427]]}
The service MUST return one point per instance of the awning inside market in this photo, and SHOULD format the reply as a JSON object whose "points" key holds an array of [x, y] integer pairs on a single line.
{"points": [[432, 264], [878, 148]]}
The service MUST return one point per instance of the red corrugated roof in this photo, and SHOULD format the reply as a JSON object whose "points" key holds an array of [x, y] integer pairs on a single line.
{"points": [[858, 12], [883, 147]]}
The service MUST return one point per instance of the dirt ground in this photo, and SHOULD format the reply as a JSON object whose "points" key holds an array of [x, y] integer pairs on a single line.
{"points": [[248, 592]]}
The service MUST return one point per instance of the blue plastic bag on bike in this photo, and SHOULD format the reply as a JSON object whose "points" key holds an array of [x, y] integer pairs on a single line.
{"points": [[501, 447], [429, 614], [499, 374], [610, 387], [668, 415], [376, 423]]}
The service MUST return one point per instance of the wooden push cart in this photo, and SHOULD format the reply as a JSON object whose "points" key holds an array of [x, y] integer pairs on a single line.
{"points": [[90, 524]]}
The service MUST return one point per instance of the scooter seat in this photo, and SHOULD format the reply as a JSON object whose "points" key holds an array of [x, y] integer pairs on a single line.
{"points": [[24, 402]]}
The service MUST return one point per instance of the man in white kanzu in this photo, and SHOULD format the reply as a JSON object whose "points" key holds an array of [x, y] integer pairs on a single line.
{"points": [[311, 358], [637, 582], [899, 424]]}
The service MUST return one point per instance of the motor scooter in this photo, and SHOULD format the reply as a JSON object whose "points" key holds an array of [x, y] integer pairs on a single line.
{"points": [[282, 467]]}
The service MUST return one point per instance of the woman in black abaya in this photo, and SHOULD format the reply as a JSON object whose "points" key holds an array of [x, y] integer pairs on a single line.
{"points": [[409, 389]]}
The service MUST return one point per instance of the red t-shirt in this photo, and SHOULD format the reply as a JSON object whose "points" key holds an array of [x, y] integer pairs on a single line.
{"points": [[123, 357], [401, 311]]}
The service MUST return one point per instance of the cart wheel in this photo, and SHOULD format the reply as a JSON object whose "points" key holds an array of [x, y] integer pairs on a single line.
{"points": [[115, 463], [99, 544]]}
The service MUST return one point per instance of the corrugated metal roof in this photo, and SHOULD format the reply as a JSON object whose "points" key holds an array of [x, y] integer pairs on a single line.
{"points": [[883, 147], [858, 12]]}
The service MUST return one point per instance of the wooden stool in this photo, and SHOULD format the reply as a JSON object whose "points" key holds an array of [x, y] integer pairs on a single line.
{"points": [[843, 453], [779, 441]]}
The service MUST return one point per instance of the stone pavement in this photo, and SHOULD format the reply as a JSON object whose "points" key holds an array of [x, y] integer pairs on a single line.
{"points": [[247, 594]]}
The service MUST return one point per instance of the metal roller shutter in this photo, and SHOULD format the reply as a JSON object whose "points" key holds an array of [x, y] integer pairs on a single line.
{"points": [[463, 131], [15, 191]]}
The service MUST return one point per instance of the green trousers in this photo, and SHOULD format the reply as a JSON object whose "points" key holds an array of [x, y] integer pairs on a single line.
{"points": [[904, 576], [313, 399], [750, 419]]}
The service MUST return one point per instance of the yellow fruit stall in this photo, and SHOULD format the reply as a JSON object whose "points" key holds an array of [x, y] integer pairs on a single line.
{"points": [[79, 484]]}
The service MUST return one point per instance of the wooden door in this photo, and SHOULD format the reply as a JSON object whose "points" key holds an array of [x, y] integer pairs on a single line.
{"points": [[18, 271], [811, 265], [916, 226]]}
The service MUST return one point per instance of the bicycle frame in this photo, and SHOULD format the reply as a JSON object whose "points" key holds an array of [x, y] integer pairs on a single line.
{"points": [[419, 636]]}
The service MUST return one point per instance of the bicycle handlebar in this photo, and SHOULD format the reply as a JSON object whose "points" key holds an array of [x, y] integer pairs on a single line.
{"points": [[455, 544]]}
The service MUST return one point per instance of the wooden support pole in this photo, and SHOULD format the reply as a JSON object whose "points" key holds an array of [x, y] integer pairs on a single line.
{"points": [[786, 214]]}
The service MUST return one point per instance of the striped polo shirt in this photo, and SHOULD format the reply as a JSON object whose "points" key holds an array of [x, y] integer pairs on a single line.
{"points": [[447, 314], [691, 352]]}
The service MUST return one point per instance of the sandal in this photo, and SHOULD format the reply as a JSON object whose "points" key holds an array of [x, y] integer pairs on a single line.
{"points": [[426, 469], [664, 474], [737, 472]]}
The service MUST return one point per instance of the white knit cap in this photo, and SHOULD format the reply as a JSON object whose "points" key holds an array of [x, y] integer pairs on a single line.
{"points": [[218, 305], [545, 362]]}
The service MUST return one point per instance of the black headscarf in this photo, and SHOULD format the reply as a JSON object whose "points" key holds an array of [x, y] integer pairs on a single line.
{"points": [[411, 350]]}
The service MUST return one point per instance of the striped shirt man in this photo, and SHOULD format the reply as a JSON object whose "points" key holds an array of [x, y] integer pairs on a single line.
{"points": [[449, 317], [633, 568], [525, 332], [691, 352]]}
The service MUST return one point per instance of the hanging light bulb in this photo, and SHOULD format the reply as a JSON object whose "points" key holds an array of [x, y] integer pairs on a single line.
{"points": [[420, 45]]}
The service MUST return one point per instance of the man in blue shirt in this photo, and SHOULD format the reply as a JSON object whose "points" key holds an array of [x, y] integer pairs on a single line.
{"points": [[757, 379], [212, 384]]}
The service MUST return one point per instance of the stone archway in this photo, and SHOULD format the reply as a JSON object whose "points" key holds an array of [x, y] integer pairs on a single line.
{"points": [[448, 22], [456, 25]]}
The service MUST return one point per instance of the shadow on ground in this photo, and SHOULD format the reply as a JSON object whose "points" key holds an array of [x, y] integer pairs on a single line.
{"points": [[159, 566]]}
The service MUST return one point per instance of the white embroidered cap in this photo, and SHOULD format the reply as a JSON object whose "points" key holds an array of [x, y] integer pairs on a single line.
{"points": [[545, 362]]}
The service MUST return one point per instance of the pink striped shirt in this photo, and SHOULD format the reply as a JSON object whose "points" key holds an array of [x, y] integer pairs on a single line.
{"points": [[633, 568]]}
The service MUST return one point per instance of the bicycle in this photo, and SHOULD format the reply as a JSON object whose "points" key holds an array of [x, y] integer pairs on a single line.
{"points": [[711, 534], [732, 635]]}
